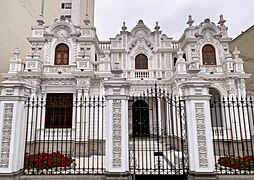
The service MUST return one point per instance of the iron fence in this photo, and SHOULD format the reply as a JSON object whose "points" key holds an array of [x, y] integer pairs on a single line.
{"points": [[65, 135], [233, 132]]}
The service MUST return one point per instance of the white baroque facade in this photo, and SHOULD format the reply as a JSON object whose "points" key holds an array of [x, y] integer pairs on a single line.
{"points": [[146, 57]]}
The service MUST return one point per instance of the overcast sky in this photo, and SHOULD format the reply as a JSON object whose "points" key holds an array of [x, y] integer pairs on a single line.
{"points": [[172, 15]]}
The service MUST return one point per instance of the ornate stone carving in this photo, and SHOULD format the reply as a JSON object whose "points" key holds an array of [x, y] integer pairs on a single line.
{"points": [[201, 135], [6, 135], [62, 32], [117, 150]]}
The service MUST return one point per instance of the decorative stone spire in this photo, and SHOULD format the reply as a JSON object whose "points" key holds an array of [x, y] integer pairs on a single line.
{"points": [[124, 27], [157, 27], [222, 21], [236, 53], [40, 20], [190, 21], [87, 20], [16, 53]]}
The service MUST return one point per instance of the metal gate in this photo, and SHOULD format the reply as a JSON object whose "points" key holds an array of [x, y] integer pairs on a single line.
{"points": [[65, 135], [158, 138]]}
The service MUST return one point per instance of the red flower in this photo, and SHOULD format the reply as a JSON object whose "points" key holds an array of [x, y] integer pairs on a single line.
{"points": [[47, 160]]}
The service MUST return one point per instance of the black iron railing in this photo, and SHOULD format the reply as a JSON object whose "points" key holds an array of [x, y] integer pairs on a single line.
{"points": [[56, 146], [233, 131]]}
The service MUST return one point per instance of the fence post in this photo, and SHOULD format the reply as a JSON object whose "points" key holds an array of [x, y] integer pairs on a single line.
{"points": [[117, 152], [199, 129], [12, 127]]}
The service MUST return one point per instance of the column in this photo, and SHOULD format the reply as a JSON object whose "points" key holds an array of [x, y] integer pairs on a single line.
{"points": [[199, 129], [117, 140], [12, 127]]}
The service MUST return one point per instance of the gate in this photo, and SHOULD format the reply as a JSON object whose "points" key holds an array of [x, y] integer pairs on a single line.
{"points": [[158, 137]]}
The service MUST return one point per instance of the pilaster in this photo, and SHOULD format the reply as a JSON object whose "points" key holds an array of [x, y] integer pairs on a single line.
{"points": [[117, 91], [12, 125], [199, 129]]}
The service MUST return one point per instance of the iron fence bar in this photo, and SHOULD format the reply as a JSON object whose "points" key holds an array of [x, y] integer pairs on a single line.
{"points": [[231, 127], [153, 128], [88, 135], [174, 131], [102, 134], [40, 129], [75, 129], [27, 105], [134, 145], [161, 100], [93, 109], [141, 136], [85, 120], [139, 168], [224, 101], [217, 132], [249, 124], [177, 107], [181, 132], [172, 139], [31, 131], [44, 131], [240, 114], [234, 101], [157, 126], [80, 131], [166, 135]]}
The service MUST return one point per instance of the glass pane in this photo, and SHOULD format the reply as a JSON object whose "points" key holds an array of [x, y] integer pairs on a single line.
{"points": [[212, 59], [205, 59], [137, 62]]}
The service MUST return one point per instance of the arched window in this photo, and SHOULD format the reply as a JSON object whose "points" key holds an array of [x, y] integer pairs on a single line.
{"points": [[209, 56], [62, 54], [141, 62], [140, 115]]}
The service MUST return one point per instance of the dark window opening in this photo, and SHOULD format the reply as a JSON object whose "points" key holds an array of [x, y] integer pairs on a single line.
{"points": [[62, 55], [175, 59], [59, 110], [66, 5], [141, 62], [184, 56]]}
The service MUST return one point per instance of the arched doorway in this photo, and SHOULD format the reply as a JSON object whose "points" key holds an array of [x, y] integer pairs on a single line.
{"points": [[216, 115], [140, 114]]}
